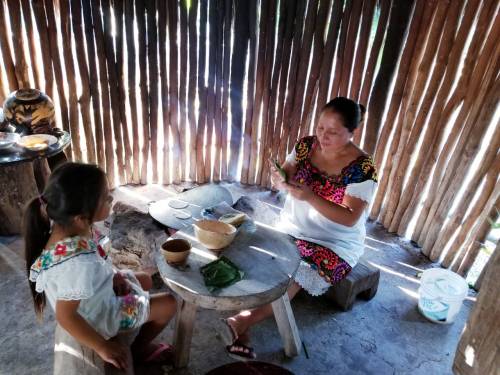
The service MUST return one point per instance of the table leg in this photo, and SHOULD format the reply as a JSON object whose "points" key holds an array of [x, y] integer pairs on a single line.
{"points": [[184, 325], [286, 325]]}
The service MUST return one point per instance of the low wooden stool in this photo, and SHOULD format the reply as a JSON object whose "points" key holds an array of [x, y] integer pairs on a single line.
{"points": [[70, 357], [362, 280]]}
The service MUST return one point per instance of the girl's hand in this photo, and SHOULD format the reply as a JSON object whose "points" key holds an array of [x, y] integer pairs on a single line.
{"points": [[120, 285], [300, 192], [114, 353]]}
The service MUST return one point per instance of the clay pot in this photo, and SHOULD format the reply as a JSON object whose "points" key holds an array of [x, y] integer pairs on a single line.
{"points": [[30, 111]]}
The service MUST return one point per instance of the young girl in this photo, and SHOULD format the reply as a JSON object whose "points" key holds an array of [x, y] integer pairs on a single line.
{"points": [[92, 301]]}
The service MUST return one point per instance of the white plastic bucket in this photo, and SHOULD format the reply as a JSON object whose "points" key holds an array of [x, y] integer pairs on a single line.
{"points": [[441, 295]]}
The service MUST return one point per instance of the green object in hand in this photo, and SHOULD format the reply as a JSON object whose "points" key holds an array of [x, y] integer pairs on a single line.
{"points": [[220, 273], [280, 170]]}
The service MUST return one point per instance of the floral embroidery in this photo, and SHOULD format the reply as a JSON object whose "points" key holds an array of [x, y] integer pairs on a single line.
{"points": [[329, 265], [60, 249], [64, 250], [129, 310]]}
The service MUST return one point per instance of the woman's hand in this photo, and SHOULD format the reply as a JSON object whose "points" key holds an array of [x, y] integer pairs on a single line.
{"points": [[277, 180], [114, 353], [300, 192], [121, 286]]}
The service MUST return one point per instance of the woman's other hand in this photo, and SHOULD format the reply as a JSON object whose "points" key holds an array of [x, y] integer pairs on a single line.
{"points": [[114, 353], [121, 286], [277, 180]]}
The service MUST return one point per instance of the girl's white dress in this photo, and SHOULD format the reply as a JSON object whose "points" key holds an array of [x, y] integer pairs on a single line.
{"points": [[78, 269]]}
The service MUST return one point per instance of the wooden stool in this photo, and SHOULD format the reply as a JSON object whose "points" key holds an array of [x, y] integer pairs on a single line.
{"points": [[362, 280], [70, 357]]}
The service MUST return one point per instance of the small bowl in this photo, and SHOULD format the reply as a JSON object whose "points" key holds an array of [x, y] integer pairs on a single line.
{"points": [[214, 235], [176, 251], [8, 139]]}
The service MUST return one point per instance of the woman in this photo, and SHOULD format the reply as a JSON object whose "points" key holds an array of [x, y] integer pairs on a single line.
{"points": [[330, 184]]}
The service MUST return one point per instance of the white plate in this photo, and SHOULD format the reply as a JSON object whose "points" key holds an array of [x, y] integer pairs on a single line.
{"points": [[8, 139], [46, 140], [177, 204], [182, 215]]}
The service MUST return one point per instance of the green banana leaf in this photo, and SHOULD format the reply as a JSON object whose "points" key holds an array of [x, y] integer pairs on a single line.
{"points": [[220, 273]]}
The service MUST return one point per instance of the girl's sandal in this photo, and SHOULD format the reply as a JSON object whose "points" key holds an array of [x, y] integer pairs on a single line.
{"points": [[163, 354]]}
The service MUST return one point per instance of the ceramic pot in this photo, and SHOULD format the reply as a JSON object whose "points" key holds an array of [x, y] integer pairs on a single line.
{"points": [[30, 111]]}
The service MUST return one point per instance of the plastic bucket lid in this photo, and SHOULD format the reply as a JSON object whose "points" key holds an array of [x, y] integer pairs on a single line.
{"points": [[438, 282]]}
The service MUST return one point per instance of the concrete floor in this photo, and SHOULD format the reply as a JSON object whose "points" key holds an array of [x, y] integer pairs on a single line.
{"points": [[386, 335]]}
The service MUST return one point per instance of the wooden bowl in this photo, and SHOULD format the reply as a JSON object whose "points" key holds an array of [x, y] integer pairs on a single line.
{"points": [[214, 235], [176, 251]]}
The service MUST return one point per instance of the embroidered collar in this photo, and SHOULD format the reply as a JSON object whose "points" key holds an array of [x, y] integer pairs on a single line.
{"points": [[64, 250]]}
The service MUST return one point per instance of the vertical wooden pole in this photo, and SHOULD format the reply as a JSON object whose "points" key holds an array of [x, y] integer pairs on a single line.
{"points": [[153, 84], [162, 35], [202, 94], [132, 81], [193, 48], [183, 84], [241, 34], [21, 67], [228, 17], [99, 123], [84, 99], [28, 24], [41, 25]]}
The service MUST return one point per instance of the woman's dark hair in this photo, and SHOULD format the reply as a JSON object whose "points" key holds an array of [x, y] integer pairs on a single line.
{"points": [[351, 112], [73, 189]]}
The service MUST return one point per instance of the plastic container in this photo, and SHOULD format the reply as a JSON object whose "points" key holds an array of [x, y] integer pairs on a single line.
{"points": [[441, 295]]}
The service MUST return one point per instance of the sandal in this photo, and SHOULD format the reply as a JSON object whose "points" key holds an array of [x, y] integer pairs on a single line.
{"points": [[235, 347], [163, 354], [240, 351]]}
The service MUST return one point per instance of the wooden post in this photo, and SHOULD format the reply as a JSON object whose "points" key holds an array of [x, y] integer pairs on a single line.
{"points": [[184, 325], [290, 8], [269, 115], [328, 56], [202, 95], [434, 130], [385, 7], [132, 81], [183, 84], [337, 73], [70, 79], [8, 62], [398, 23], [317, 57], [481, 119], [41, 25], [152, 48], [118, 11], [212, 19], [237, 77], [254, 95], [301, 77], [193, 47], [84, 99], [263, 154], [452, 104], [218, 48], [162, 35], [56, 62], [476, 243], [489, 165], [21, 67], [426, 97], [477, 351], [173, 88], [352, 34], [28, 24], [292, 75], [228, 15], [286, 325], [361, 50]]}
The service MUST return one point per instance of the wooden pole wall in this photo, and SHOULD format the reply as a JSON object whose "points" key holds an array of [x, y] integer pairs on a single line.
{"points": [[209, 90]]}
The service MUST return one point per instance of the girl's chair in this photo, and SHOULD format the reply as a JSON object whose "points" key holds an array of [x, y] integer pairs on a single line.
{"points": [[70, 357]]}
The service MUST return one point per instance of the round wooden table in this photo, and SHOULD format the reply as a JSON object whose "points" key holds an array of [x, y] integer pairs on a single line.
{"points": [[23, 174], [269, 259]]}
